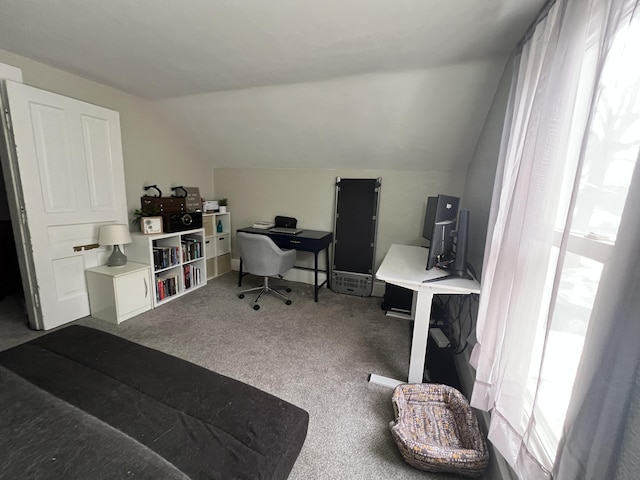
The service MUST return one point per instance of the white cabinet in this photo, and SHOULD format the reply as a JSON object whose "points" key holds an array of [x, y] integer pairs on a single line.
{"points": [[177, 262], [119, 293], [217, 232]]}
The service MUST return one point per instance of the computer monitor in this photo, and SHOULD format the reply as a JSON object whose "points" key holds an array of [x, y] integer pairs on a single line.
{"points": [[439, 226]]}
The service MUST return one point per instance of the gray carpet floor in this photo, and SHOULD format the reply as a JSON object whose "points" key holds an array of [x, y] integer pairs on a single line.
{"points": [[315, 355]]}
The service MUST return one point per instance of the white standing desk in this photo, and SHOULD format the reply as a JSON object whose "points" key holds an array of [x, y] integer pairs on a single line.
{"points": [[405, 266]]}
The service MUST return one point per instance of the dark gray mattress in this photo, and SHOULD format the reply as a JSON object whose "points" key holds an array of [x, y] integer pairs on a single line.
{"points": [[85, 395]]}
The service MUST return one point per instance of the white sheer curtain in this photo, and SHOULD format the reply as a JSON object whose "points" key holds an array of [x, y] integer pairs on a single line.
{"points": [[597, 415], [553, 226]]}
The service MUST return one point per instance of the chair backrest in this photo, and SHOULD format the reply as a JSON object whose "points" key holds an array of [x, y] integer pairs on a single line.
{"points": [[261, 256]]}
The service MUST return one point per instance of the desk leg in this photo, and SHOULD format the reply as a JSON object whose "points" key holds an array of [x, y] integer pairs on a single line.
{"points": [[315, 273], [327, 270], [421, 312], [422, 316]]}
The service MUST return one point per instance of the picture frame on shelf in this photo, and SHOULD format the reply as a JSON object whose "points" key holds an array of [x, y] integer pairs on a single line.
{"points": [[151, 225], [193, 200]]}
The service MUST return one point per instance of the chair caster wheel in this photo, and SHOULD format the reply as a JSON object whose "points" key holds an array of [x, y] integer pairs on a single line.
{"points": [[256, 307], [288, 290], [288, 302], [241, 295]]}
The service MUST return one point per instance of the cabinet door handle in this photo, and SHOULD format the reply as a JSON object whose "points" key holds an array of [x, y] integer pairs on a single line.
{"points": [[146, 288]]}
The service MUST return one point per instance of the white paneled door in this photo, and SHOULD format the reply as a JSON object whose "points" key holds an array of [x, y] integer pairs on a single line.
{"points": [[68, 179]]}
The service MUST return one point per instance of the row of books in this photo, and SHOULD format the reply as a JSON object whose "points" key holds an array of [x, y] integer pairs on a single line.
{"points": [[166, 286], [191, 248], [191, 276], [165, 257]]}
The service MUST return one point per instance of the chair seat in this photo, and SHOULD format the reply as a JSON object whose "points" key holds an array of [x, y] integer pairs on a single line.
{"points": [[436, 430]]}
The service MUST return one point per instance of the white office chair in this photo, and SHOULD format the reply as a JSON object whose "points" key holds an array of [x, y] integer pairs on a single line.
{"points": [[261, 256]]}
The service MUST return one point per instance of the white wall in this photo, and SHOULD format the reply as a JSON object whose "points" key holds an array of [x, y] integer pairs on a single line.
{"points": [[278, 149], [478, 192], [478, 188], [417, 130], [422, 120], [309, 196], [154, 153]]}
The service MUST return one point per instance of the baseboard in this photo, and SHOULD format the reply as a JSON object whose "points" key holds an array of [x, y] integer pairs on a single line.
{"points": [[498, 467], [307, 276]]}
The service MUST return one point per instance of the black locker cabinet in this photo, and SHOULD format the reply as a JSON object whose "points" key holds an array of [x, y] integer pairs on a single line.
{"points": [[354, 235]]}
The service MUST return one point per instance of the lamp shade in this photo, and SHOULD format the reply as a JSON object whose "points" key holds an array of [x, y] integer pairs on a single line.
{"points": [[114, 235]]}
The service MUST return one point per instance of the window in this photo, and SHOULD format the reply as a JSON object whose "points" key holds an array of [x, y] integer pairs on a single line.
{"points": [[610, 157], [570, 145]]}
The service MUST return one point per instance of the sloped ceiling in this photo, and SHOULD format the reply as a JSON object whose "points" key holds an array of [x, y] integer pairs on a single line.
{"points": [[287, 63]]}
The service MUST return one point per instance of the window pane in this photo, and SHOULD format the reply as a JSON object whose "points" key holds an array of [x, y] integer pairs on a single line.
{"points": [[578, 284], [613, 142]]}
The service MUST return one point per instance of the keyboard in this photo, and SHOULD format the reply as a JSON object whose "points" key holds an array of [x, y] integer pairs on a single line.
{"points": [[288, 231]]}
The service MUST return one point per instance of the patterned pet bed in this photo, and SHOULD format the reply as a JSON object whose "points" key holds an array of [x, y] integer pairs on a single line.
{"points": [[436, 430]]}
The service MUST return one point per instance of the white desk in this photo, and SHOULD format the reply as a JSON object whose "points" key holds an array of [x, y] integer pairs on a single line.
{"points": [[405, 266]]}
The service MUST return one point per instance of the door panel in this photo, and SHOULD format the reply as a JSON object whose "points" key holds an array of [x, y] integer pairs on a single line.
{"points": [[54, 160], [71, 177], [69, 273], [100, 168]]}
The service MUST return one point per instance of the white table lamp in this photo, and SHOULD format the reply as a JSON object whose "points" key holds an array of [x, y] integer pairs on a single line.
{"points": [[115, 235]]}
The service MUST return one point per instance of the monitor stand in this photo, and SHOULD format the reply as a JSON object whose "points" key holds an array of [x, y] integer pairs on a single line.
{"points": [[459, 267], [455, 274]]}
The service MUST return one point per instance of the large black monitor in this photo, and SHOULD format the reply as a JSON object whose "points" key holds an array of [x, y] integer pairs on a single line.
{"points": [[448, 235], [439, 226]]}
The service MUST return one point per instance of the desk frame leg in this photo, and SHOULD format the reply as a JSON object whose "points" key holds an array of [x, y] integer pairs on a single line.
{"points": [[421, 312], [384, 381], [315, 274], [328, 269], [422, 317]]}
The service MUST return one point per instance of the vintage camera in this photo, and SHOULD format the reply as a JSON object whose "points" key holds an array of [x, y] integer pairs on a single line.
{"points": [[178, 222]]}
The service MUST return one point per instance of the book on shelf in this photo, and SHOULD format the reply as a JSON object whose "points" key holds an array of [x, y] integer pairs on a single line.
{"points": [[264, 224], [166, 286], [191, 276], [191, 250], [165, 257]]}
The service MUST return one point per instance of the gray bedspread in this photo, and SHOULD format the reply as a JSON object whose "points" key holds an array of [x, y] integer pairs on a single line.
{"points": [[82, 403], [42, 437]]}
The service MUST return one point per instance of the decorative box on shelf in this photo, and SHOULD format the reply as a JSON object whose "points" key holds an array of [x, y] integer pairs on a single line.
{"points": [[177, 261]]}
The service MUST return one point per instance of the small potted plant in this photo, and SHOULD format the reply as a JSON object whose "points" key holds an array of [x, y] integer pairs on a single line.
{"points": [[222, 205]]}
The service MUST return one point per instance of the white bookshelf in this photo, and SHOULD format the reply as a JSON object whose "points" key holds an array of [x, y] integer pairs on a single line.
{"points": [[218, 244], [177, 261]]}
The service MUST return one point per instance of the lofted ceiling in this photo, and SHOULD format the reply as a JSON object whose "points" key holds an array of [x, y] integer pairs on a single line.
{"points": [[180, 53]]}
